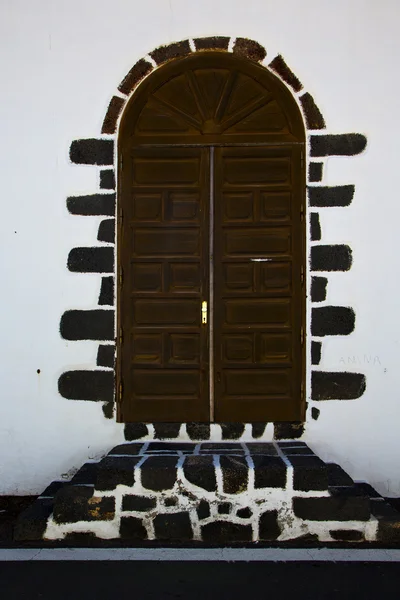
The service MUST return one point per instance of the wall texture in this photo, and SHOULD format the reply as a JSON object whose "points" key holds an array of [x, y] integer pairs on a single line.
{"points": [[59, 71]]}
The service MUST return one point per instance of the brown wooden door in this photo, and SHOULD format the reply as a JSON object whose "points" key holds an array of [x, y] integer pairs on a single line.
{"points": [[163, 252], [258, 295], [252, 252]]}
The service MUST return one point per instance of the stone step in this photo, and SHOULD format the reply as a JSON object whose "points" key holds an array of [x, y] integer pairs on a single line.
{"points": [[218, 492]]}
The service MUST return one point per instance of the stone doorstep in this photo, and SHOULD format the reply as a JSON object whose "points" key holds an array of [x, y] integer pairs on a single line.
{"points": [[208, 499]]}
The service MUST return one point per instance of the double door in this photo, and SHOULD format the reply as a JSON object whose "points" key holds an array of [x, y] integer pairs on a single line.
{"points": [[211, 294]]}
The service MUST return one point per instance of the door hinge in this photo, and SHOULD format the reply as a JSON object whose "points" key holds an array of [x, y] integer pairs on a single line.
{"points": [[120, 392], [120, 336], [302, 275], [302, 391], [302, 336]]}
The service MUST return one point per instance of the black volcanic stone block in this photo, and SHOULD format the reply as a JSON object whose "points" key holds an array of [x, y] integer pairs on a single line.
{"points": [[347, 144], [106, 296], [165, 431], [75, 503], [341, 506], [309, 473], [315, 227], [365, 488], [185, 447], [94, 204], [138, 503], [388, 521], [315, 352], [332, 320], [116, 470], [108, 410], [32, 522], [314, 118], [337, 476], [235, 474], [225, 532], [268, 526], [198, 431], [337, 386], [279, 66], [339, 195], [107, 231], [163, 53], [209, 43], [159, 473], [52, 489], [112, 114], [288, 430], [91, 260], [92, 152], [132, 528], [172, 501], [347, 535], [249, 49], [126, 449], [224, 508], [87, 385], [107, 179], [106, 355], [335, 257], [86, 475], [318, 289], [200, 471], [269, 471], [87, 325], [232, 431], [173, 526], [244, 513], [315, 171], [136, 74], [261, 448], [315, 412], [258, 429], [135, 431], [203, 510]]}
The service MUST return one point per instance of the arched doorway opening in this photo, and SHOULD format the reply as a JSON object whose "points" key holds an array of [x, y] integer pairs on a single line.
{"points": [[211, 246]]}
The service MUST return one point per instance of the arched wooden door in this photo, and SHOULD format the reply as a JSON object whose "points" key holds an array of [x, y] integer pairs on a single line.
{"points": [[211, 246]]}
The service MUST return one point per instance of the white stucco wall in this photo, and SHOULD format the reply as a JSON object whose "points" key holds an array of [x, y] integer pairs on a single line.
{"points": [[59, 65]]}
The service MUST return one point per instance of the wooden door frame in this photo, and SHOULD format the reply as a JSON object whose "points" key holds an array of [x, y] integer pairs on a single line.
{"points": [[131, 113]]}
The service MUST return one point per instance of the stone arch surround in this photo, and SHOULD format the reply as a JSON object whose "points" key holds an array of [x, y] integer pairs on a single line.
{"points": [[98, 323]]}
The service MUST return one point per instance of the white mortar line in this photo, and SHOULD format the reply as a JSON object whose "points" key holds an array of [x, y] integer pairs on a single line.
{"points": [[289, 467], [218, 474], [203, 554], [150, 60], [231, 44]]}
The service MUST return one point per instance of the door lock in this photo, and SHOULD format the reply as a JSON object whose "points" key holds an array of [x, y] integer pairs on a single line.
{"points": [[204, 312]]}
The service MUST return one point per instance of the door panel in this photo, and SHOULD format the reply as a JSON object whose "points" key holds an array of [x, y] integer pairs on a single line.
{"points": [[258, 305], [163, 250], [258, 300]]}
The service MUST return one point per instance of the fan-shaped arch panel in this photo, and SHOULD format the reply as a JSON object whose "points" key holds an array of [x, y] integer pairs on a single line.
{"points": [[212, 98]]}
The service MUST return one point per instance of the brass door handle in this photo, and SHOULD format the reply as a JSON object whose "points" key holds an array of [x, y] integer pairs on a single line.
{"points": [[204, 312]]}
